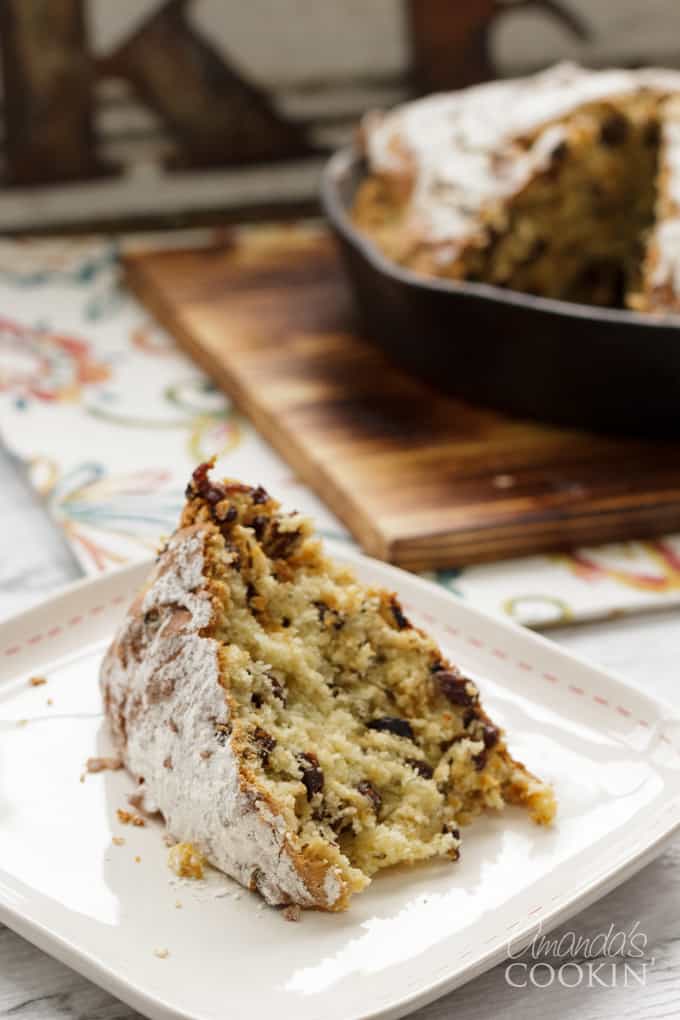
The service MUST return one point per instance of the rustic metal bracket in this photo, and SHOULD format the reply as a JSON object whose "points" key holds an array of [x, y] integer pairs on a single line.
{"points": [[48, 82], [451, 41], [215, 116]]}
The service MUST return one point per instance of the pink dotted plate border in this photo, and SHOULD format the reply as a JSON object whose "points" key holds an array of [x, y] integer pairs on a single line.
{"points": [[43, 637]]}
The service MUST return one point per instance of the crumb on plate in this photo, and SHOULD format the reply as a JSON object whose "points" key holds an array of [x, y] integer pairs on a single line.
{"points": [[129, 818], [112, 763], [136, 800], [186, 861], [37, 681]]}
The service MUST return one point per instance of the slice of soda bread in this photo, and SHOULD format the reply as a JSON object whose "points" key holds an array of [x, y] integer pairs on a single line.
{"points": [[289, 722]]}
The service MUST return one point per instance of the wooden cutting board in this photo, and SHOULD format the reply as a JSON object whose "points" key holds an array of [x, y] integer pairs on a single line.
{"points": [[420, 479]]}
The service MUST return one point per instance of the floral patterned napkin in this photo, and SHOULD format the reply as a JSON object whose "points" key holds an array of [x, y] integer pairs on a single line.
{"points": [[109, 419]]}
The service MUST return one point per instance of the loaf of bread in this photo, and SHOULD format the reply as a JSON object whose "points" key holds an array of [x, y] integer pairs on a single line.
{"points": [[565, 184]]}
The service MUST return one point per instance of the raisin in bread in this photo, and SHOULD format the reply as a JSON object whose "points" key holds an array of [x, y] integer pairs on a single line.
{"points": [[289, 722], [549, 184]]}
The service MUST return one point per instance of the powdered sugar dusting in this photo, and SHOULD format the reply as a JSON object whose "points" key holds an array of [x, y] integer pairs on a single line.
{"points": [[162, 689], [179, 584], [665, 241], [667, 245]]}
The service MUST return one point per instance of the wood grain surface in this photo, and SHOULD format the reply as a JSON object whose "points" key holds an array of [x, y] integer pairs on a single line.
{"points": [[420, 479]]}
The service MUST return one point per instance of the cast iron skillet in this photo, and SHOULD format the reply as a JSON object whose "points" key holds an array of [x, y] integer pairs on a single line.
{"points": [[600, 368]]}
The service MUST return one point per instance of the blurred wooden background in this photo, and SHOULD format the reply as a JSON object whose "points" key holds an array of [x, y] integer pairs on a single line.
{"points": [[146, 112]]}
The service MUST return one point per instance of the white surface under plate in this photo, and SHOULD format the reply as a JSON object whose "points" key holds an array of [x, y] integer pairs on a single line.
{"points": [[108, 910]]}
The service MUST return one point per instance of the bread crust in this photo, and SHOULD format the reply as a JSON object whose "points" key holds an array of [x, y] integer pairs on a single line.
{"points": [[168, 705]]}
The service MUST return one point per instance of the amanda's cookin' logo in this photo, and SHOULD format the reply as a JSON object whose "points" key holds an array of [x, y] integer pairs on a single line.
{"points": [[613, 958]]}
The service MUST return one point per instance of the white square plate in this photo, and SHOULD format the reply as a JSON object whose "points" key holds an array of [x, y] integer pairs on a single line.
{"points": [[107, 910]]}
